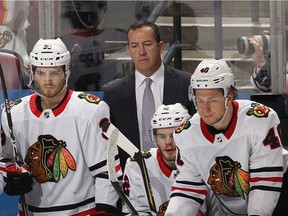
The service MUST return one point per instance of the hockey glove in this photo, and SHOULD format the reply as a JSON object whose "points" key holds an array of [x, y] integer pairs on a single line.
{"points": [[18, 181]]}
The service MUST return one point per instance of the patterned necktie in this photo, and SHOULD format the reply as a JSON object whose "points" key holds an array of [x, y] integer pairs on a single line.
{"points": [[148, 109]]}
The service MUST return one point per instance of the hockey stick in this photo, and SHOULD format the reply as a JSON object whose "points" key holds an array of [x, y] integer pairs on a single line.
{"points": [[111, 151], [75, 51], [16, 157], [109, 129]]}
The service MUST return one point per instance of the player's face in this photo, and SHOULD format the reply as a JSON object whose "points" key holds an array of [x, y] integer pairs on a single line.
{"points": [[210, 104], [144, 50], [50, 80], [166, 144]]}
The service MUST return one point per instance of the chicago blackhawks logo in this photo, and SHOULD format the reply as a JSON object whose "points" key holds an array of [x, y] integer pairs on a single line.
{"points": [[15, 102], [227, 178], [162, 208], [48, 159], [90, 98], [185, 125], [5, 38], [258, 110], [126, 186]]}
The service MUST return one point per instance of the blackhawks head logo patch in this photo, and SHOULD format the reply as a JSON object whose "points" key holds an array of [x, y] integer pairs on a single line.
{"points": [[15, 102], [185, 125], [227, 178], [49, 159], [258, 110], [90, 98]]}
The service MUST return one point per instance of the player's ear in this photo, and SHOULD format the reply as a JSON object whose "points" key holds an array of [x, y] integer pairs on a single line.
{"points": [[230, 98]]}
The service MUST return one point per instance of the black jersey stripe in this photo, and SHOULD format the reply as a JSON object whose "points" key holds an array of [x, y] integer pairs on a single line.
{"points": [[101, 164], [200, 201], [191, 183], [266, 169], [265, 188], [61, 208]]}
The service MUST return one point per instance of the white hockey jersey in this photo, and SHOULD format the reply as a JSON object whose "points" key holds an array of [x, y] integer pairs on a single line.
{"points": [[161, 179], [66, 151], [243, 165]]}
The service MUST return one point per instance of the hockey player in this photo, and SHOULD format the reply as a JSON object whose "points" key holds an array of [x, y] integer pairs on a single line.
{"points": [[59, 136], [230, 146], [161, 164]]}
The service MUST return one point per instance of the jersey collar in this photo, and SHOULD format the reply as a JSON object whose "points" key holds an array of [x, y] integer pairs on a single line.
{"points": [[37, 110]]}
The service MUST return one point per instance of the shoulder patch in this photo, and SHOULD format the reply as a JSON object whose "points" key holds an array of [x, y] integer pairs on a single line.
{"points": [[258, 110], [89, 98], [185, 125], [143, 153], [15, 102]]}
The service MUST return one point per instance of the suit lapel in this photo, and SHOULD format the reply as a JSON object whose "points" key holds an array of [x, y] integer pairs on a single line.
{"points": [[131, 108], [170, 86]]}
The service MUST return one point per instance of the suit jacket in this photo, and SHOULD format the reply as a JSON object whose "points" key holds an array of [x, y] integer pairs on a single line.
{"points": [[120, 96]]}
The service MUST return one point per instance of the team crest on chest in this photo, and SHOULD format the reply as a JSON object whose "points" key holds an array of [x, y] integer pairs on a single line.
{"points": [[162, 208], [258, 110], [227, 178], [185, 125], [90, 98], [49, 159]]}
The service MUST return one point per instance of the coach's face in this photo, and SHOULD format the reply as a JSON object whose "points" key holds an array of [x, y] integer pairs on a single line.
{"points": [[144, 50]]}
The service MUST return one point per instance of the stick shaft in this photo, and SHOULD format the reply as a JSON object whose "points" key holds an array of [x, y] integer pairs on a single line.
{"points": [[109, 129], [140, 160], [111, 151]]}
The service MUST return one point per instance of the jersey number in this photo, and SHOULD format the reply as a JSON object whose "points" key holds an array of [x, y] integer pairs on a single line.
{"points": [[271, 139]]}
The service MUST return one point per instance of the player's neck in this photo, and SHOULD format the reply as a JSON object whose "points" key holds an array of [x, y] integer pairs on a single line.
{"points": [[170, 164], [225, 122], [50, 103]]}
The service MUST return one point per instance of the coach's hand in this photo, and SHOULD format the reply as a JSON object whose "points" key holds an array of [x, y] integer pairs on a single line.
{"points": [[18, 181]]}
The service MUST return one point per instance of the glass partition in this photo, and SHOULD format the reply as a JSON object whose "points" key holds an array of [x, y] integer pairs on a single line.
{"points": [[191, 30]]}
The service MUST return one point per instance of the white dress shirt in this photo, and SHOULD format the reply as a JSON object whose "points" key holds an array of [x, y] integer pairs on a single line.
{"points": [[157, 87]]}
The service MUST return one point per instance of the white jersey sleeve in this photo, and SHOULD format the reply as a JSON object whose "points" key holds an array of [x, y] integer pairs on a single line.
{"points": [[104, 191], [266, 168]]}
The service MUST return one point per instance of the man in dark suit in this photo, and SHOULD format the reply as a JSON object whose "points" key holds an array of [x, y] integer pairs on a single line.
{"points": [[124, 96]]}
